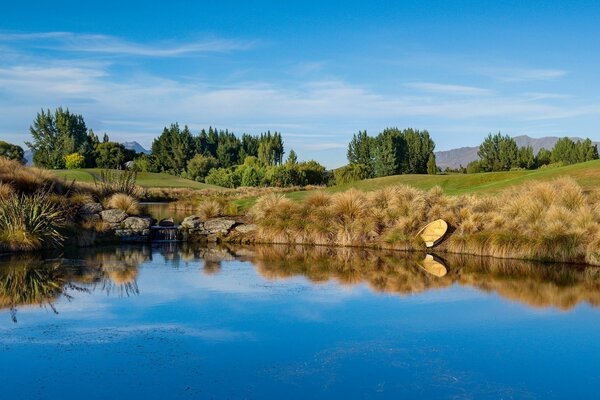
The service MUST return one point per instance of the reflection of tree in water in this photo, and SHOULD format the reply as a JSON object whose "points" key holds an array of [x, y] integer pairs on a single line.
{"points": [[536, 284], [29, 280]]}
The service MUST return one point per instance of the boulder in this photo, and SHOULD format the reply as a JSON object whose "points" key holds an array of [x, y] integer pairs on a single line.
{"points": [[245, 228], [90, 208], [192, 222], [218, 225], [137, 224], [166, 222], [113, 216]]}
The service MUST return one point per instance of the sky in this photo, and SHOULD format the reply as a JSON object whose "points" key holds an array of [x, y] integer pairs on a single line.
{"points": [[317, 71]]}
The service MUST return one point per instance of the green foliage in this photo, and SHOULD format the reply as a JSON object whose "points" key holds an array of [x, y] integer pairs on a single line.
{"points": [[432, 168], [270, 149], [544, 157], [292, 158], [146, 163], [525, 158], [221, 177], [392, 152], [57, 135], [30, 222], [360, 151], [350, 173], [12, 152], [474, 167], [112, 155], [174, 148], [74, 161], [568, 151], [200, 165], [498, 153]]}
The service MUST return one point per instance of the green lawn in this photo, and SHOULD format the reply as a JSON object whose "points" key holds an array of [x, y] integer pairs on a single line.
{"points": [[145, 179], [586, 174]]}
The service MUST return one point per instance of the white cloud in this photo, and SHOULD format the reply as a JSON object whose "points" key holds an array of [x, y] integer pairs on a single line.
{"points": [[106, 44], [439, 88], [513, 75]]}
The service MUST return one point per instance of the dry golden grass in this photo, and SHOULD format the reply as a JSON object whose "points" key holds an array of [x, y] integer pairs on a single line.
{"points": [[124, 203], [6, 191], [550, 221]]}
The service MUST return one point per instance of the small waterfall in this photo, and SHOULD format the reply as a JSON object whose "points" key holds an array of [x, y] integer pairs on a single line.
{"points": [[164, 233]]}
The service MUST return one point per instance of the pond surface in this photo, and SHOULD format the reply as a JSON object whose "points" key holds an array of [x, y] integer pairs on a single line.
{"points": [[293, 323], [163, 210]]}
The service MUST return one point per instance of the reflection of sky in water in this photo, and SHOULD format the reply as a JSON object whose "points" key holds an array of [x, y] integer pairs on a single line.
{"points": [[232, 333]]}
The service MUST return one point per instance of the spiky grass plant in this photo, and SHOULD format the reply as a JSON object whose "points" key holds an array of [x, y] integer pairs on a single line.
{"points": [[30, 222], [117, 181]]}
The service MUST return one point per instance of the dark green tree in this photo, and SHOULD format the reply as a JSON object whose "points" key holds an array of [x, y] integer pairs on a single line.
{"points": [[498, 153], [431, 165], [12, 152], [112, 155]]}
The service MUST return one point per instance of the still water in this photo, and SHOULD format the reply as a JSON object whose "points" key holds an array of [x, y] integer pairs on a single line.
{"points": [[175, 321]]}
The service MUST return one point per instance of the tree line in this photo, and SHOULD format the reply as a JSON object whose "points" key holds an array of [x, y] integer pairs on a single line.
{"points": [[61, 139], [391, 152], [501, 153]]}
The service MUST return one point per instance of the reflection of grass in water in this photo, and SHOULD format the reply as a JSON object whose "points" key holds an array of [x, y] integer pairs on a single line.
{"points": [[26, 284], [535, 284]]}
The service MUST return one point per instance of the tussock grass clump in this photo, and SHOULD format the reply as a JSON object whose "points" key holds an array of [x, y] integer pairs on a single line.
{"points": [[124, 202], [28, 179], [30, 222], [550, 221]]}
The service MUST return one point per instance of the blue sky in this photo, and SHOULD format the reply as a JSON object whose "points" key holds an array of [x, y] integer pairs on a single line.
{"points": [[316, 71]]}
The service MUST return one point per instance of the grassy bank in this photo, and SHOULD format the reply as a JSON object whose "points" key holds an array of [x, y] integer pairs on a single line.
{"points": [[144, 179], [550, 221]]}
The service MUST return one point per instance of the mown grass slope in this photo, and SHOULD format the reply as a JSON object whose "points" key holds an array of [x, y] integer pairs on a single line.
{"points": [[144, 179], [587, 175]]}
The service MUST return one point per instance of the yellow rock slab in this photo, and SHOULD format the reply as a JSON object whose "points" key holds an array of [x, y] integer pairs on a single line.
{"points": [[433, 232]]}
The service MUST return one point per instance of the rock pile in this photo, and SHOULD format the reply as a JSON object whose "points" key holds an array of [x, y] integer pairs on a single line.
{"points": [[120, 224], [222, 229]]}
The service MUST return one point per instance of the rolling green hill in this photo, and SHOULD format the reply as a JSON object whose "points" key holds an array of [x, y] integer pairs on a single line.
{"points": [[145, 179], [586, 174]]}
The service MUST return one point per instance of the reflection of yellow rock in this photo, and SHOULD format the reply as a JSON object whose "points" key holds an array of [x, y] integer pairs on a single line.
{"points": [[123, 276], [433, 232], [433, 266]]}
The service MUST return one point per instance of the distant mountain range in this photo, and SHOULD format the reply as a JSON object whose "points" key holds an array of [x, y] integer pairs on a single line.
{"points": [[128, 145], [462, 156]]}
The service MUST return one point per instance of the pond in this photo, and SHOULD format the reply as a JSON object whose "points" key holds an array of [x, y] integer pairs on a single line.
{"points": [[292, 322], [164, 210]]}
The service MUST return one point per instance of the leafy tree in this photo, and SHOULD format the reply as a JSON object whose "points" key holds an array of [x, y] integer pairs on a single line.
{"points": [[544, 157], [312, 172], [12, 152], [389, 150], [474, 167], [200, 165], [498, 153], [57, 135], [360, 151], [174, 148], [292, 158], [221, 177], [112, 155], [270, 148], [74, 161], [351, 173], [146, 163], [419, 147], [526, 159], [431, 166]]}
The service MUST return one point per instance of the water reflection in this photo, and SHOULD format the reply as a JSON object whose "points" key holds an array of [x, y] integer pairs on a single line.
{"points": [[31, 280]]}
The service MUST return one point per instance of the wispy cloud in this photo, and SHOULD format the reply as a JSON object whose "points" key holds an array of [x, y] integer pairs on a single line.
{"points": [[106, 44], [523, 74], [440, 88]]}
